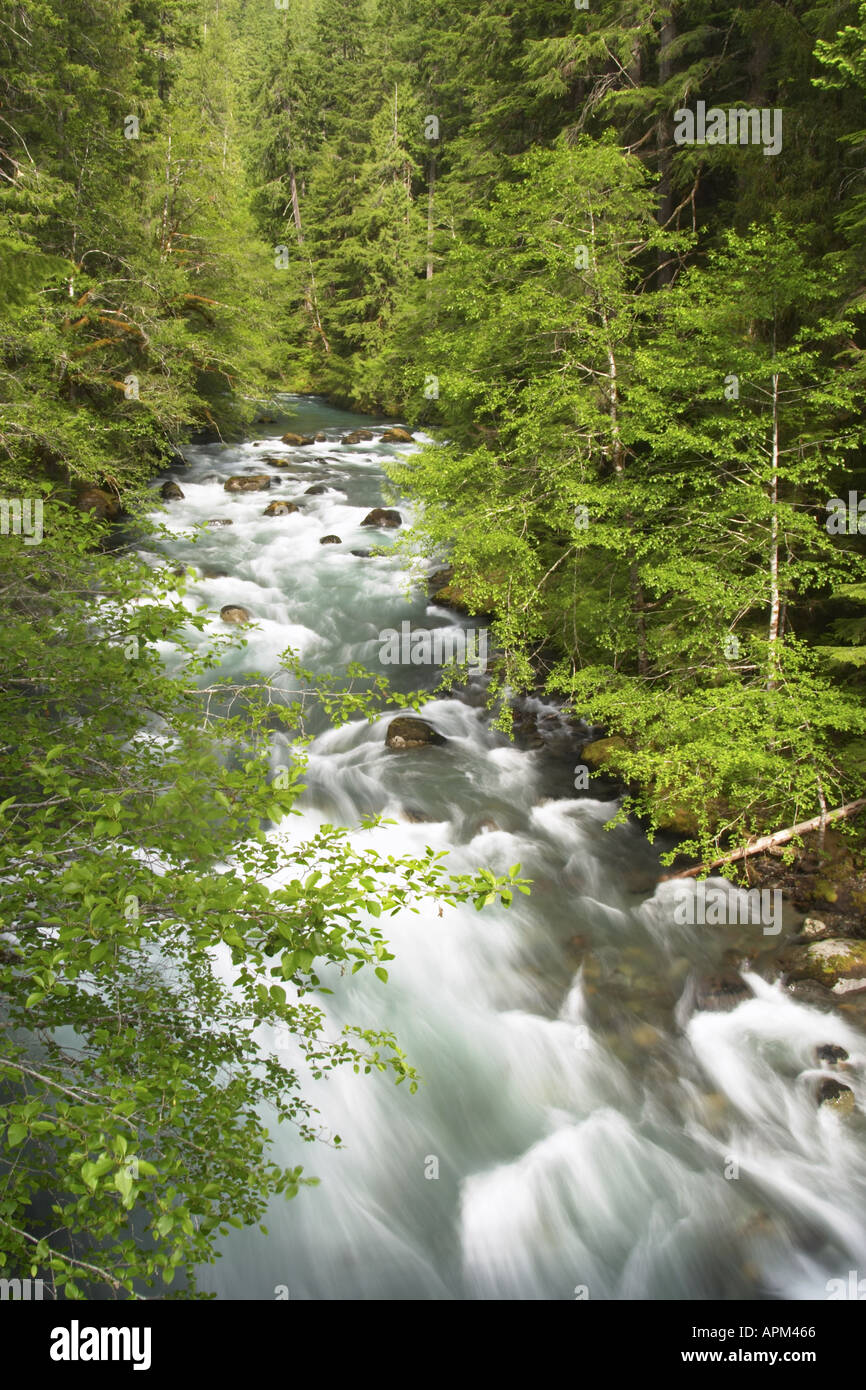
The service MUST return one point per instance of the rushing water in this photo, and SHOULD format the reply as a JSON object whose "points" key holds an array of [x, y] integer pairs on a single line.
{"points": [[597, 1129]]}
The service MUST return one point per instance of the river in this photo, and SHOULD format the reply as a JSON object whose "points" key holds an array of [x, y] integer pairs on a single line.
{"points": [[595, 1119]]}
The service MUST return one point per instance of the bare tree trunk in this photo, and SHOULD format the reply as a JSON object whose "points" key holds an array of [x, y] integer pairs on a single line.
{"points": [[775, 598], [431, 185], [664, 141]]}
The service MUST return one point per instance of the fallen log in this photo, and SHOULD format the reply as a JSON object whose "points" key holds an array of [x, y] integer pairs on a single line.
{"points": [[780, 837]]}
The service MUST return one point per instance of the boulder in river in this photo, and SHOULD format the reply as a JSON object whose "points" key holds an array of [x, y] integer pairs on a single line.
{"points": [[321, 437], [98, 503], [362, 554], [248, 482], [407, 731], [831, 1053], [316, 490], [235, 613], [272, 461], [383, 516], [330, 540], [598, 752], [396, 435], [835, 1094], [357, 436], [298, 441], [280, 509], [721, 991], [836, 963], [171, 492]]}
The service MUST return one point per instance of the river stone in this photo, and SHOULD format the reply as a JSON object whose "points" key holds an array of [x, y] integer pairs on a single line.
{"points": [[382, 516], [273, 461], [357, 436], [218, 521], [407, 731], [831, 1052], [414, 817], [597, 753], [321, 437], [234, 613], [813, 927], [280, 508], [362, 554], [721, 991], [249, 482], [98, 502], [298, 440], [838, 964], [330, 540], [835, 1094], [316, 490], [396, 435], [171, 492]]}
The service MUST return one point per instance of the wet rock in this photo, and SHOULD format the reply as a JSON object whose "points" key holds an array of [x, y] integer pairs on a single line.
{"points": [[248, 482], [383, 516], [721, 991], [171, 492], [330, 540], [316, 490], [599, 752], [396, 435], [357, 436], [813, 927], [831, 1052], [280, 509], [838, 964], [321, 437], [235, 613], [407, 731], [218, 521], [362, 554], [273, 462], [835, 1094], [298, 441], [99, 503], [414, 817]]}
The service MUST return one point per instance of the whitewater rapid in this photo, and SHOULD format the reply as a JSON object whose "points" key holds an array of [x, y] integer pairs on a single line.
{"points": [[583, 1129]]}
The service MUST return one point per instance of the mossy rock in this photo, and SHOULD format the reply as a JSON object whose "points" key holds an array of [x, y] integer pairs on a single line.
{"points": [[837, 963], [601, 751]]}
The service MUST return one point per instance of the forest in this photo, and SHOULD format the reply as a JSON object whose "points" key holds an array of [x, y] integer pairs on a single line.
{"points": [[605, 263]]}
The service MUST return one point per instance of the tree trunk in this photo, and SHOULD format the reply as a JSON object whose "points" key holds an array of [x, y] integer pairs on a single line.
{"points": [[431, 185]]}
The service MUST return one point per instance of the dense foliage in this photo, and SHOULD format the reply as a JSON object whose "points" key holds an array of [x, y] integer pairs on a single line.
{"points": [[645, 363]]}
